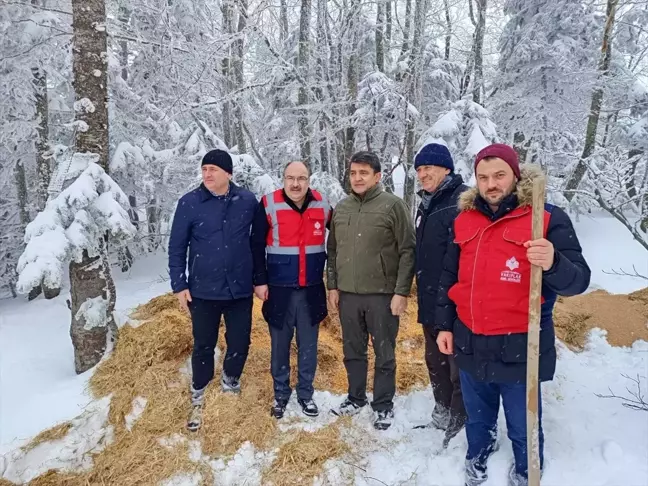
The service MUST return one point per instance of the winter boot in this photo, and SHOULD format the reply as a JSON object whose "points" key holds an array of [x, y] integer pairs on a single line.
{"points": [[454, 427], [229, 384], [347, 408], [515, 479], [197, 397], [475, 473], [384, 419], [278, 408], [440, 417], [309, 407], [195, 419]]}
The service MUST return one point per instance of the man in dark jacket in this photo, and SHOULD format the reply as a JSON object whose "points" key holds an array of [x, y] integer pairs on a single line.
{"points": [[484, 300], [441, 188], [213, 222], [290, 228]]}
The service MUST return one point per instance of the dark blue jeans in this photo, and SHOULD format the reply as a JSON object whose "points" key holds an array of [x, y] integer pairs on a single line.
{"points": [[297, 319], [482, 401], [205, 320]]}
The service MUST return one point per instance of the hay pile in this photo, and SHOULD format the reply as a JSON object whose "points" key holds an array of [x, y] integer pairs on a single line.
{"points": [[625, 317], [147, 362]]}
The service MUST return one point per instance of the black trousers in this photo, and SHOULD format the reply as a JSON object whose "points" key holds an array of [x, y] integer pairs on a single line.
{"points": [[362, 316], [205, 320], [444, 376]]}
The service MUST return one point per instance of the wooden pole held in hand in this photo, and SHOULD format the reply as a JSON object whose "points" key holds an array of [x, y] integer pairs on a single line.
{"points": [[533, 345]]}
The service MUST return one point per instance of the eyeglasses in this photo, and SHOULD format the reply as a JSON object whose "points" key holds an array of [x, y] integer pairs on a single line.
{"points": [[300, 179]]}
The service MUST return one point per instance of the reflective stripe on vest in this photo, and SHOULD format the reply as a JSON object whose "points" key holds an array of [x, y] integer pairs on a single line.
{"points": [[307, 231]]}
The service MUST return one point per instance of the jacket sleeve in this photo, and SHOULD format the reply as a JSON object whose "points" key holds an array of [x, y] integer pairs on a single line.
{"points": [[260, 228], [569, 274], [178, 245], [446, 310], [331, 253], [406, 244]]}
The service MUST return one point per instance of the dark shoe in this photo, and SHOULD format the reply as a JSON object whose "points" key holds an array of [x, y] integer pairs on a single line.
{"points": [[475, 473], [454, 427], [197, 397], [515, 479], [347, 408], [279, 408], [440, 417], [229, 384], [384, 419], [309, 407], [195, 419]]}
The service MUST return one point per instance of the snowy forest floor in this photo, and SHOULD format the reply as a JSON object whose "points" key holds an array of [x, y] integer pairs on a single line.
{"points": [[590, 441]]}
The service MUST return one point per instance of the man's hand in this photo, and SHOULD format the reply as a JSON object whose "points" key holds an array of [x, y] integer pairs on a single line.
{"points": [[540, 252], [398, 304], [184, 297], [445, 341], [333, 298], [261, 291]]}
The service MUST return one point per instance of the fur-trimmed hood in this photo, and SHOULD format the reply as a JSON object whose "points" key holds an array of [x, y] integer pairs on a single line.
{"points": [[523, 188]]}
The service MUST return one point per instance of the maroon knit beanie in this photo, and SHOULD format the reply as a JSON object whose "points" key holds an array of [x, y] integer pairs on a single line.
{"points": [[502, 151]]}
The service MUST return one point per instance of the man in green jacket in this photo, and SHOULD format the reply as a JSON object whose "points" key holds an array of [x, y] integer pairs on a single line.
{"points": [[371, 248]]}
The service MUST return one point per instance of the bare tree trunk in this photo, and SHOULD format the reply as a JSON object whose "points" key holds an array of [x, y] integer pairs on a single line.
{"points": [[470, 62], [226, 68], [123, 16], [413, 97], [388, 30], [302, 65], [406, 33], [323, 76], [380, 44], [448, 37], [44, 170], [595, 106], [477, 49], [352, 90], [239, 121], [284, 20], [90, 279]]}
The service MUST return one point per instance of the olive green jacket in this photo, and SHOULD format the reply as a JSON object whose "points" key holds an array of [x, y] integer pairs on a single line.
{"points": [[371, 245]]}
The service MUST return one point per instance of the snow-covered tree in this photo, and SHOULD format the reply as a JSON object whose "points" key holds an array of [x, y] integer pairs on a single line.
{"points": [[546, 67], [465, 129]]}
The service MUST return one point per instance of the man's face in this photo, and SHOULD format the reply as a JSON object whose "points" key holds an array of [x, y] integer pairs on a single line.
{"points": [[214, 177], [362, 177], [296, 181], [431, 176], [495, 180]]}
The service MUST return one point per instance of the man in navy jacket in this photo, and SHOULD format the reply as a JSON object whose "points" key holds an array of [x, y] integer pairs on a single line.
{"points": [[213, 222], [441, 188], [483, 304]]}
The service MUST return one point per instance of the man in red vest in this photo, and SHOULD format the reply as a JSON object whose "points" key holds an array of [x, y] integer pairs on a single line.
{"points": [[483, 303], [290, 230]]}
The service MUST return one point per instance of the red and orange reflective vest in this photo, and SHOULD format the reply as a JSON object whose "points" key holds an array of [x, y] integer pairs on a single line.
{"points": [[295, 243]]}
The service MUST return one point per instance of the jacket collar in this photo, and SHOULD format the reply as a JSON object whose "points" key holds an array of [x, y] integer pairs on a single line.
{"points": [[447, 186], [307, 200], [372, 193], [205, 194]]}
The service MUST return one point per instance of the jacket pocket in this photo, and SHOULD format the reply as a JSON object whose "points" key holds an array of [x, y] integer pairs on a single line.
{"points": [[516, 235], [383, 267], [463, 236], [279, 259]]}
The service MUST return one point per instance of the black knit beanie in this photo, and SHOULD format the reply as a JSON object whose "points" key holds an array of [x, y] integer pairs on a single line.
{"points": [[219, 158]]}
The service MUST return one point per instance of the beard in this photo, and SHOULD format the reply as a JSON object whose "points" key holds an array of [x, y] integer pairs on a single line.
{"points": [[494, 198]]}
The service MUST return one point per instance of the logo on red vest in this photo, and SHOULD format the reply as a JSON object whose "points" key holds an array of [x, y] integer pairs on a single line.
{"points": [[318, 229], [511, 275]]}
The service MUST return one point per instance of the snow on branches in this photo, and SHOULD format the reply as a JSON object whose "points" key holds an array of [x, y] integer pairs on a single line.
{"points": [[77, 219]]}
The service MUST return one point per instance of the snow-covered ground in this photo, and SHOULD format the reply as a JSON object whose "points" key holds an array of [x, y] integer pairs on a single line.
{"points": [[590, 441]]}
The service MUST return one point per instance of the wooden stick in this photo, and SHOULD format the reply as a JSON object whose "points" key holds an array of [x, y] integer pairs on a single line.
{"points": [[533, 345]]}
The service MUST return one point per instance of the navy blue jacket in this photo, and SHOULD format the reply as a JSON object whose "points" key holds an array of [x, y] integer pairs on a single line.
{"points": [[275, 308], [502, 358], [216, 230], [433, 228]]}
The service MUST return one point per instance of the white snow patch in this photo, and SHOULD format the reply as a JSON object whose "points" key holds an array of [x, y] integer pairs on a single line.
{"points": [[139, 404], [89, 434], [84, 104], [93, 312], [96, 73], [244, 468], [183, 479]]}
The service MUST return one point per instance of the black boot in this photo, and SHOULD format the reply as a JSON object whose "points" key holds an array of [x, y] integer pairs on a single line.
{"points": [[279, 408]]}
